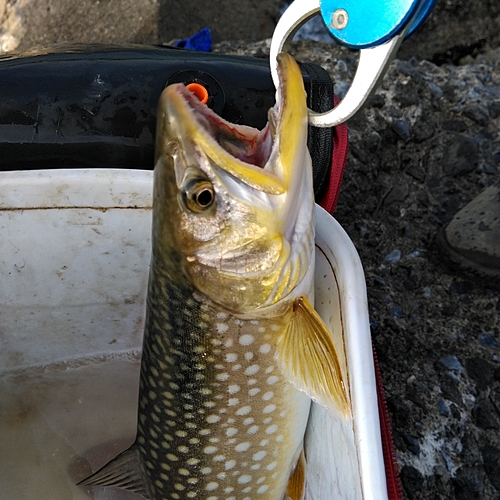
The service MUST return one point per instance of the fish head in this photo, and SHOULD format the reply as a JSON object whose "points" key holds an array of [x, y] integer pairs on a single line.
{"points": [[232, 204]]}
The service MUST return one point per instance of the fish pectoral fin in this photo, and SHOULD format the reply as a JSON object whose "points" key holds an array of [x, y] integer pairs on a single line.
{"points": [[308, 357], [123, 472], [296, 487]]}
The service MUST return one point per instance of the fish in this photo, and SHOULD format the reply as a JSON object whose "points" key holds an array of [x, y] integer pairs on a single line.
{"points": [[233, 351]]}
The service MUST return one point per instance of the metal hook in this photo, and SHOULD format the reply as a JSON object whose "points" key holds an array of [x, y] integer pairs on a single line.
{"points": [[373, 63]]}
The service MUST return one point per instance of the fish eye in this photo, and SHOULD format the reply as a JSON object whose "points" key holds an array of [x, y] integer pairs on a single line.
{"points": [[198, 195]]}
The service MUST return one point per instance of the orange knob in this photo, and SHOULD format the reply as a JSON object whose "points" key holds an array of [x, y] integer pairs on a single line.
{"points": [[199, 91]]}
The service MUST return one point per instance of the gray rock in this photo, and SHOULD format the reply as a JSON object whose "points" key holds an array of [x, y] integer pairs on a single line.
{"points": [[472, 238]]}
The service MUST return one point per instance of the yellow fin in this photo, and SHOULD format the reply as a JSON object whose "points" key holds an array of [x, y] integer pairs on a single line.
{"points": [[297, 483], [307, 356]]}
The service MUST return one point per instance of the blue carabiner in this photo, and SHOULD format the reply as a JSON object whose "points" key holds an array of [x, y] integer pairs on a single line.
{"points": [[361, 24]]}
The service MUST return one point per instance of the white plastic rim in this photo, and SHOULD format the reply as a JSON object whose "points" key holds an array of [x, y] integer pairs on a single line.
{"points": [[74, 261]]}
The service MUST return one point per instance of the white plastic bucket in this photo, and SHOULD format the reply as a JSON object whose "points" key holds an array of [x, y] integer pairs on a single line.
{"points": [[74, 258]]}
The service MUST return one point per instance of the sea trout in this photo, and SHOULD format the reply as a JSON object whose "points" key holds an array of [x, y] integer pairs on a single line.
{"points": [[233, 352]]}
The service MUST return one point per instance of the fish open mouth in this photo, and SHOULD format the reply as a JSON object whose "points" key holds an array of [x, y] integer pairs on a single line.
{"points": [[242, 142], [267, 160]]}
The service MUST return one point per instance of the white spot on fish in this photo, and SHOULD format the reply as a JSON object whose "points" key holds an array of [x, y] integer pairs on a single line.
{"points": [[253, 429], [244, 479], [255, 467], [232, 431], [219, 458], [209, 450], [181, 433], [221, 377], [206, 391], [236, 367], [244, 410], [183, 449], [222, 315], [193, 461], [233, 401], [230, 464], [269, 409], [272, 466], [204, 432], [265, 349], [172, 457], [252, 370], [229, 489], [233, 389], [261, 329], [246, 339], [263, 488], [248, 356], [206, 470], [248, 421], [211, 486], [229, 343], [268, 395], [183, 472], [194, 440], [264, 442], [231, 357], [252, 381], [259, 455], [272, 380], [222, 327], [261, 480], [272, 429], [242, 446], [254, 391], [212, 419]]}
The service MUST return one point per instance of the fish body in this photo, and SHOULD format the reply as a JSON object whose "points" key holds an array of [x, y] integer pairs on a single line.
{"points": [[233, 352]]}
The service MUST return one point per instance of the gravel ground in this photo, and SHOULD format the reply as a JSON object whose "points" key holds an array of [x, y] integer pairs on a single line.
{"points": [[426, 144]]}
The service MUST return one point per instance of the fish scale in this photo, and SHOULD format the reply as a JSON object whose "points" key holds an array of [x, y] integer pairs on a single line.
{"points": [[214, 413]]}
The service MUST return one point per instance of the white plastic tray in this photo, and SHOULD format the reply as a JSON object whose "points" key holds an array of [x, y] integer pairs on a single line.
{"points": [[74, 258]]}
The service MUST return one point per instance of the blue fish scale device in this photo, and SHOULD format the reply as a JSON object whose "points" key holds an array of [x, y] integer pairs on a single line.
{"points": [[376, 28]]}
